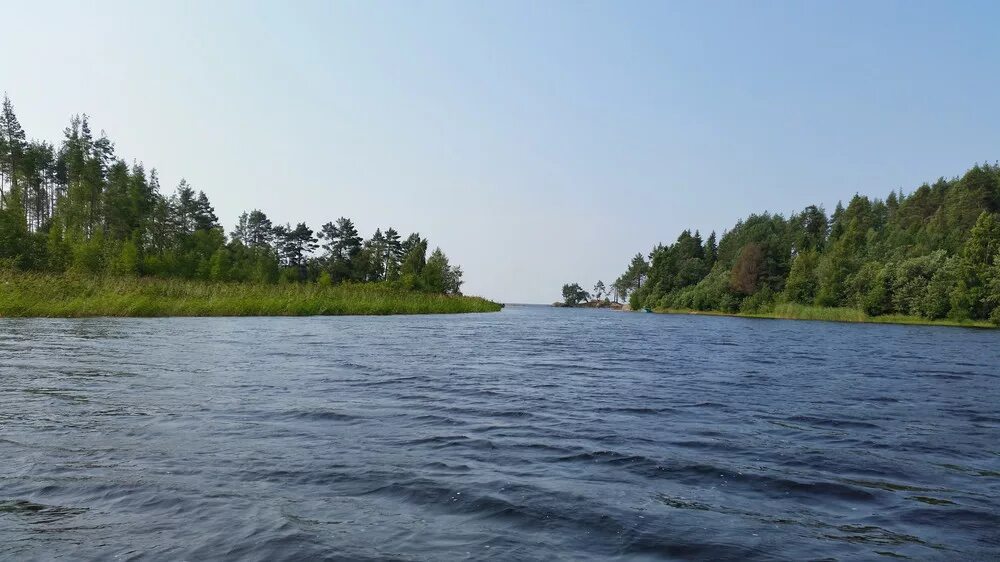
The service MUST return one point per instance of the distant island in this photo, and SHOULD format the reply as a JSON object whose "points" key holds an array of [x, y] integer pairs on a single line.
{"points": [[574, 296], [930, 256], [594, 304], [83, 233]]}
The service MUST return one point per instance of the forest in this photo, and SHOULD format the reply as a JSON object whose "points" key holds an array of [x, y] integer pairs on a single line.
{"points": [[933, 254], [78, 207]]}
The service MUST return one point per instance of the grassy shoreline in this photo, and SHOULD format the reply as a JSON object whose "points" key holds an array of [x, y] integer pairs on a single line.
{"points": [[826, 314], [26, 295]]}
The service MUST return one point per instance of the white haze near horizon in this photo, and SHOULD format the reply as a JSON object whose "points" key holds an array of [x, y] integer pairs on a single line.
{"points": [[536, 143]]}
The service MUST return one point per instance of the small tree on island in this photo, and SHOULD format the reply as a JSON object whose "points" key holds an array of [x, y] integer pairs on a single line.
{"points": [[574, 294], [600, 290]]}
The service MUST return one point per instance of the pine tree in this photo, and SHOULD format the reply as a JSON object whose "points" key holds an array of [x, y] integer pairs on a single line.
{"points": [[185, 207], [637, 271], [393, 254], [375, 249], [711, 250], [599, 290], [204, 213], [12, 147], [117, 207], [294, 246], [343, 241]]}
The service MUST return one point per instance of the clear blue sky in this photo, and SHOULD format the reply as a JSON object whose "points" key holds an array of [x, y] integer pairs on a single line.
{"points": [[536, 142]]}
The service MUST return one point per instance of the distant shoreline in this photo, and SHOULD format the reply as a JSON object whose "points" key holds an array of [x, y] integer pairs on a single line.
{"points": [[800, 312], [594, 304], [827, 314]]}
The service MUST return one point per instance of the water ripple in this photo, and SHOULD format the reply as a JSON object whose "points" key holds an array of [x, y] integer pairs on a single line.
{"points": [[532, 434]]}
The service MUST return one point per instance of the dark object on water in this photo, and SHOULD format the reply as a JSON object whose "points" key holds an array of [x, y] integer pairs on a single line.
{"points": [[646, 310]]}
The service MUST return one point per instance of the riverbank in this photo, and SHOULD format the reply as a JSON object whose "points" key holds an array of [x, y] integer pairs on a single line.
{"points": [[68, 296], [825, 314]]}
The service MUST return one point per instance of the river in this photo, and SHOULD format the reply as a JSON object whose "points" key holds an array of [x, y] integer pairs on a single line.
{"points": [[531, 434]]}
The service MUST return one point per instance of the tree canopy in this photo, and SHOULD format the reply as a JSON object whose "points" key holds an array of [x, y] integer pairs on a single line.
{"points": [[574, 294], [933, 253], [78, 206]]}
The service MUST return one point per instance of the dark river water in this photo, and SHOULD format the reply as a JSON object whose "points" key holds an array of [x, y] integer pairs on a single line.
{"points": [[531, 434]]}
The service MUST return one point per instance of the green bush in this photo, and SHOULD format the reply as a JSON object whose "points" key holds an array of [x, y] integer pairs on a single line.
{"points": [[760, 302]]}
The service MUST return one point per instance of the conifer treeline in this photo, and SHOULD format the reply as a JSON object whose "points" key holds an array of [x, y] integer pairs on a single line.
{"points": [[80, 207], [934, 253]]}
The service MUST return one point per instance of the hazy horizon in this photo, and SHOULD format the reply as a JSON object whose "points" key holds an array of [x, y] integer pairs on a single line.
{"points": [[535, 144]]}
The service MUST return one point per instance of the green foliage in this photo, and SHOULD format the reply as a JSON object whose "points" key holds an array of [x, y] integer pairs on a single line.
{"points": [[88, 255], [711, 293], [802, 312], [636, 273], [220, 265], [932, 254], [936, 302], [802, 281], [795, 311], [42, 294], [80, 208], [635, 301], [912, 280], [873, 287], [13, 230], [126, 262], [58, 252], [438, 276], [835, 267], [573, 294], [600, 290], [759, 302]]}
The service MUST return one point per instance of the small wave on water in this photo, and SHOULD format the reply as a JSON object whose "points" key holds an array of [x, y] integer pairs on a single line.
{"points": [[36, 513], [524, 435]]}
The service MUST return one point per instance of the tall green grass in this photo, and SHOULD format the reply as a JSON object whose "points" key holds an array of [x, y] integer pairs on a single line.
{"points": [[45, 295], [791, 311]]}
